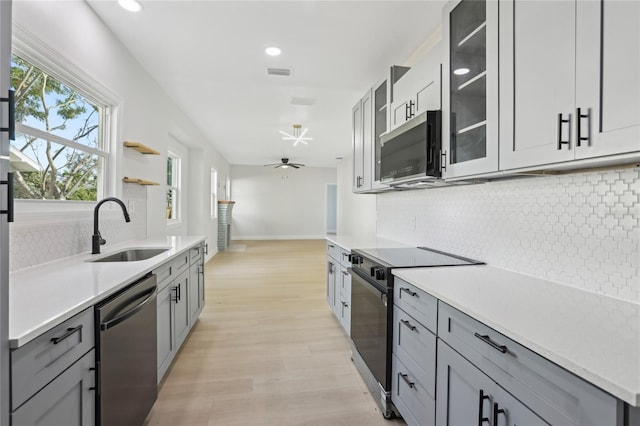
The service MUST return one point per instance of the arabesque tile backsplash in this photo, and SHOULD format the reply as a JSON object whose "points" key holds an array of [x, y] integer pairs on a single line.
{"points": [[578, 229], [47, 239]]}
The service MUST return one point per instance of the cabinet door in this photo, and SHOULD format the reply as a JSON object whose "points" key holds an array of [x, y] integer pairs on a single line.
{"points": [[367, 140], [470, 88], [68, 400], [166, 333], [465, 394], [181, 308], [537, 82], [331, 282], [345, 315], [5, 70], [358, 148], [608, 77], [194, 301], [380, 126], [508, 411]]}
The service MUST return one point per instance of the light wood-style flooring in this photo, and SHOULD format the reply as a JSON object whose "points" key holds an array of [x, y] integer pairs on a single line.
{"points": [[266, 350]]}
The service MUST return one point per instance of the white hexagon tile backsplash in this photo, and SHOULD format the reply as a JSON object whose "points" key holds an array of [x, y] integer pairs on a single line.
{"points": [[48, 237], [578, 229]]}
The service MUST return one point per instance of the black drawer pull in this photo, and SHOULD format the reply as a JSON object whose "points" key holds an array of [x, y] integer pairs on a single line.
{"points": [[579, 117], [481, 418], [485, 338], [408, 324], [9, 211], [68, 333], [561, 122], [405, 377], [11, 128], [496, 412], [409, 292]]}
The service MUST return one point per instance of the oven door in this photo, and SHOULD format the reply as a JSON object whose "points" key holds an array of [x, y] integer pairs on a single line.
{"points": [[370, 320]]}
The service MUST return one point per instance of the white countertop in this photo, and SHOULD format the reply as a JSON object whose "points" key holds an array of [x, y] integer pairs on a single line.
{"points": [[351, 242], [595, 337], [46, 295]]}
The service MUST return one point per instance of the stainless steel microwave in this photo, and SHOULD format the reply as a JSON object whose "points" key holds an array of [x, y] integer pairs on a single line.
{"points": [[412, 150]]}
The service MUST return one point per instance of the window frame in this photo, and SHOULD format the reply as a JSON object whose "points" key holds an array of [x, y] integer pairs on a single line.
{"points": [[214, 195], [41, 55], [176, 186]]}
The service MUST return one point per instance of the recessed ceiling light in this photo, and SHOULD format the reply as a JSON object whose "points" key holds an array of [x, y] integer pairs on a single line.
{"points": [[461, 71], [272, 51], [130, 5]]}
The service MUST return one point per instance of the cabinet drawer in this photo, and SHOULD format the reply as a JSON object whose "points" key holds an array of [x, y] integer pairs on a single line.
{"points": [[415, 346], [195, 254], [415, 403], [333, 250], [553, 393], [181, 262], [345, 257], [420, 305], [164, 273], [41, 360]]}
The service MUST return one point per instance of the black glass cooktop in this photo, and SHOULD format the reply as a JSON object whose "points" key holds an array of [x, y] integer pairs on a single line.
{"points": [[412, 257]]}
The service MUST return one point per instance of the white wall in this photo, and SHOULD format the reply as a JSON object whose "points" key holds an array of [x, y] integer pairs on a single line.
{"points": [[70, 32], [356, 212], [279, 203]]}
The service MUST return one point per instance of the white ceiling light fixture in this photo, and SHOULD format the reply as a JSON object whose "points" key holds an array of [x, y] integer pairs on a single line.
{"points": [[130, 5], [297, 136], [461, 71], [273, 51]]}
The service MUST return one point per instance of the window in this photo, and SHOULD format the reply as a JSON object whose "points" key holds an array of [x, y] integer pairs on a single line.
{"points": [[214, 194], [60, 151], [173, 188]]}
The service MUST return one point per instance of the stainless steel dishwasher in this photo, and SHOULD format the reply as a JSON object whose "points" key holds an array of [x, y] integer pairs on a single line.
{"points": [[126, 355]]}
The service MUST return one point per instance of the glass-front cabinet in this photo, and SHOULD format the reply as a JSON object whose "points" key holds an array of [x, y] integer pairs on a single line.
{"points": [[470, 88], [380, 114]]}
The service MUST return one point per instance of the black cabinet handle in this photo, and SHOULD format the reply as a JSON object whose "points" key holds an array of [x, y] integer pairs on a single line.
{"points": [[443, 160], [408, 324], [408, 291], [68, 333], [11, 127], [579, 117], [347, 255], [176, 298], [206, 249], [562, 121], [9, 210], [405, 377], [406, 111], [485, 338], [481, 418], [496, 411], [411, 111]]}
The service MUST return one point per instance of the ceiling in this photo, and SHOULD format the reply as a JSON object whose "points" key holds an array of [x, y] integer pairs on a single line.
{"points": [[209, 57]]}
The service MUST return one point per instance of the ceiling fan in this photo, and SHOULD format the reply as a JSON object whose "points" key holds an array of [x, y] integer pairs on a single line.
{"points": [[285, 164], [297, 136]]}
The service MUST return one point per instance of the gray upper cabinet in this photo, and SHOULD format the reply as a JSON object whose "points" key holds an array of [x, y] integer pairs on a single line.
{"points": [[419, 90], [470, 88], [569, 81], [69, 400]]}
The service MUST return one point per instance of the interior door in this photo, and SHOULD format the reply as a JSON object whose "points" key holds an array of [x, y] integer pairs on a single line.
{"points": [[5, 63]]}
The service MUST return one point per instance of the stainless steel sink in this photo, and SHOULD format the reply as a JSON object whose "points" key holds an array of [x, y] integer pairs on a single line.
{"points": [[131, 255]]}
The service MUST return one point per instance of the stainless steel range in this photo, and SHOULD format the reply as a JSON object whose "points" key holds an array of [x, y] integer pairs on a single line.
{"points": [[372, 310]]}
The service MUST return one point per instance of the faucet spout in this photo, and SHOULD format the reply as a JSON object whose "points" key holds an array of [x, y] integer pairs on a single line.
{"points": [[96, 239]]}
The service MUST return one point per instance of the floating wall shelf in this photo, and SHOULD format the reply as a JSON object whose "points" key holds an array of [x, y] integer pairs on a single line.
{"points": [[141, 148], [139, 181]]}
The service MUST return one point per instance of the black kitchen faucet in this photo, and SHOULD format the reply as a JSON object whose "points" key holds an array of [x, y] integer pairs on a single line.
{"points": [[96, 238]]}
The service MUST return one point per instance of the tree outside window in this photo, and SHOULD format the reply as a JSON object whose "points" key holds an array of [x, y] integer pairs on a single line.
{"points": [[173, 187], [59, 152]]}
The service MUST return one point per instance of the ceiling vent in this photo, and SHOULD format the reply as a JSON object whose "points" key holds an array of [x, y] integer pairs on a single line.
{"points": [[303, 101], [284, 72]]}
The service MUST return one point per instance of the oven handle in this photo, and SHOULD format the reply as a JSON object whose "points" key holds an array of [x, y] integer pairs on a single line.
{"points": [[378, 287]]}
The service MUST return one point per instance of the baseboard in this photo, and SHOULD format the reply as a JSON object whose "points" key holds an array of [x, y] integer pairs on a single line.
{"points": [[278, 237]]}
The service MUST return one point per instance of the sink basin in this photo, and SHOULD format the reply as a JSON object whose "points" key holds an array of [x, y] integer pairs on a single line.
{"points": [[131, 255]]}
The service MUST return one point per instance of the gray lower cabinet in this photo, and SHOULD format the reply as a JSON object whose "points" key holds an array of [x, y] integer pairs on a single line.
{"points": [[69, 400], [339, 284], [469, 397], [180, 300]]}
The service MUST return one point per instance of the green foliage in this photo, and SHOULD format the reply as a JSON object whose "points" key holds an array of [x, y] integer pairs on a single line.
{"points": [[66, 173]]}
